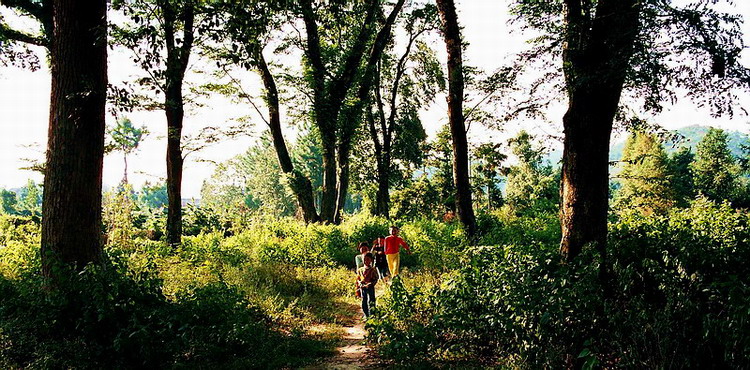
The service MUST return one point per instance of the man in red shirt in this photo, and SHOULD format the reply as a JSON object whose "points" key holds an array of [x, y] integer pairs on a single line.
{"points": [[393, 244]]}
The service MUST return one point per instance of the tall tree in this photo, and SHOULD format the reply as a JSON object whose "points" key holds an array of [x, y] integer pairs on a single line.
{"points": [[338, 76], [645, 178], [247, 27], [453, 43], [162, 35], [613, 46], [350, 121], [531, 182], [681, 183], [72, 200], [402, 85], [715, 169], [74, 34], [600, 41]]}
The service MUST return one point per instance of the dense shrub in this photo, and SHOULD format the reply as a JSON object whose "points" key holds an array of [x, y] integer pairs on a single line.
{"points": [[19, 240], [505, 226], [676, 296], [103, 318]]}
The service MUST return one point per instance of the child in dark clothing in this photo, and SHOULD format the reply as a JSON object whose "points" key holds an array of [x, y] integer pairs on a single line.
{"points": [[367, 277], [381, 263]]}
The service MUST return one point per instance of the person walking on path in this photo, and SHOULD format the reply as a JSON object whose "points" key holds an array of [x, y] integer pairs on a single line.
{"points": [[367, 277], [393, 244], [359, 259], [381, 263]]}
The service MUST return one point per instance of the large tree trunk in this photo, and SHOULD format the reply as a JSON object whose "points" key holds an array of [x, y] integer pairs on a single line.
{"points": [[72, 203], [596, 59], [585, 180], [382, 196], [175, 114], [300, 184], [452, 35], [329, 194]]}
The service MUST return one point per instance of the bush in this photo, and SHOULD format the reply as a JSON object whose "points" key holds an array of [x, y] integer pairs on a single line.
{"points": [[676, 296], [103, 318]]}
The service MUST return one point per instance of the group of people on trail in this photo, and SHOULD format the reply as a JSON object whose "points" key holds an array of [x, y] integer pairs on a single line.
{"points": [[381, 262]]}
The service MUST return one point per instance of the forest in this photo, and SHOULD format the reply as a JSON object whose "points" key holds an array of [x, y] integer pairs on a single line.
{"points": [[528, 248]]}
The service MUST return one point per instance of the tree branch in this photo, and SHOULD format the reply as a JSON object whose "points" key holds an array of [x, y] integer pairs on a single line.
{"points": [[11, 34]]}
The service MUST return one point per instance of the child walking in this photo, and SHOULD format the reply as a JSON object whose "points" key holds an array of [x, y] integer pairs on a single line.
{"points": [[378, 249], [359, 259], [367, 277], [393, 244]]}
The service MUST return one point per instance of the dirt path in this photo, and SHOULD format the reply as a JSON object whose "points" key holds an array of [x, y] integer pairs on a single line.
{"points": [[352, 352]]}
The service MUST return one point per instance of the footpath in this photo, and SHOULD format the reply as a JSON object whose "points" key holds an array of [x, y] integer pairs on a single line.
{"points": [[352, 351]]}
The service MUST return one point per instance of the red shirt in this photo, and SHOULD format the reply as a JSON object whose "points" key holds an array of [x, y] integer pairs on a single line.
{"points": [[392, 244]]}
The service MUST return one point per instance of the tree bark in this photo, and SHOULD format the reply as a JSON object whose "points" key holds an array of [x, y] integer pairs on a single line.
{"points": [[353, 116], [596, 58], [452, 36], [300, 184], [72, 200], [382, 196], [177, 61], [175, 114], [328, 101]]}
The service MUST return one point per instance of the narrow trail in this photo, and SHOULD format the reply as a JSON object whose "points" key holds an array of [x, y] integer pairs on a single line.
{"points": [[352, 351]]}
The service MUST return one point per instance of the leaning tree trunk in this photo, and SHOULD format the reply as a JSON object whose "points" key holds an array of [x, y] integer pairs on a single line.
{"points": [[452, 35], [596, 59], [300, 185], [72, 201]]}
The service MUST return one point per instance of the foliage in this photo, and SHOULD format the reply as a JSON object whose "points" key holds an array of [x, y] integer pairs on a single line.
{"points": [[118, 209], [645, 181], [681, 176], [531, 183], [703, 32], [251, 181], [8, 201], [27, 201], [487, 173], [153, 196], [106, 318], [421, 198], [676, 297], [440, 159], [715, 170]]}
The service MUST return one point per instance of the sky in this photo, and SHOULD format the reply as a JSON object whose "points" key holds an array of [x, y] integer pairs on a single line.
{"points": [[24, 109]]}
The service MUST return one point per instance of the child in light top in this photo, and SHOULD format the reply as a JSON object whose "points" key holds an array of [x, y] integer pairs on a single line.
{"points": [[359, 259]]}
